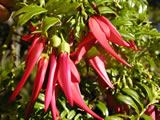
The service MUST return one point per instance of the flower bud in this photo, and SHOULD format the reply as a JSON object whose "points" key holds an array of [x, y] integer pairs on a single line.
{"points": [[55, 41], [64, 47]]}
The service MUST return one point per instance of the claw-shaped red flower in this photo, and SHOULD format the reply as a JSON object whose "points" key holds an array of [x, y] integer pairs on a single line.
{"points": [[98, 64], [103, 31], [40, 76], [33, 57]]}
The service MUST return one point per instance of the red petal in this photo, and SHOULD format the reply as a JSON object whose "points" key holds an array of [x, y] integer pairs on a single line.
{"points": [[53, 105], [99, 66], [48, 93], [83, 48], [74, 72], [151, 112], [100, 36], [80, 102], [36, 52], [115, 36], [103, 27], [42, 68], [133, 45], [64, 76], [37, 38], [28, 38]]}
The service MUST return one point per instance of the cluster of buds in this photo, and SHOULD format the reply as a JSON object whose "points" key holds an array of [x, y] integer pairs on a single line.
{"points": [[58, 69]]}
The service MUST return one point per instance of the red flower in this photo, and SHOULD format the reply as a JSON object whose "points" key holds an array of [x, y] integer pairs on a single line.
{"points": [[51, 81], [32, 60], [78, 100], [64, 76], [98, 64], [40, 76], [103, 31]]}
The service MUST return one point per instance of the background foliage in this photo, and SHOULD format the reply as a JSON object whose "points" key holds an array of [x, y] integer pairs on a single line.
{"points": [[137, 87]]}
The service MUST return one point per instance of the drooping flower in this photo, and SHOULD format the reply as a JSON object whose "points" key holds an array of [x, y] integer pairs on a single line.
{"points": [[101, 37], [78, 100], [98, 64], [64, 76], [51, 81], [40, 76], [33, 57], [101, 31], [68, 79]]}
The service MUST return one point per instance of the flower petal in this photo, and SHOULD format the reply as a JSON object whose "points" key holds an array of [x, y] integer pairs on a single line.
{"points": [[64, 76], [151, 112], [78, 100], [101, 38], [133, 45], [99, 66], [36, 52], [40, 76], [48, 93], [53, 105], [83, 48], [103, 27], [28, 38], [37, 38], [74, 72], [115, 37]]}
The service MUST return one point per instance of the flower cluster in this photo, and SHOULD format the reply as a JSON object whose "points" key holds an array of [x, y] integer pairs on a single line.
{"points": [[58, 70]]}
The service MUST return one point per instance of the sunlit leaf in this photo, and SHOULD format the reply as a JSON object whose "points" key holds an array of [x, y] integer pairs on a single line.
{"points": [[146, 117], [113, 118], [104, 10], [102, 108], [98, 2], [128, 100], [29, 12], [71, 114], [48, 23], [148, 91], [133, 94]]}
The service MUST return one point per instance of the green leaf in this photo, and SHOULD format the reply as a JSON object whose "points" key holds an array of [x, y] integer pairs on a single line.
{"points": [[134, 95], [71, 114], [77, 117], [113, 118], [148, 90], [24, 9], [63, 114], [102, 108], [69, 8], [98, 2], [104, 10], [153, 32], [28, 15], [48, 23], [39, 105], [120, 22], [29, 12], [127, 35], [63, 103], [146, 117], [128, 100]]}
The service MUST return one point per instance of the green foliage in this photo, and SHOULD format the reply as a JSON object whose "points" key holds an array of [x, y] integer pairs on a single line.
{"points": [[137, 87]]}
